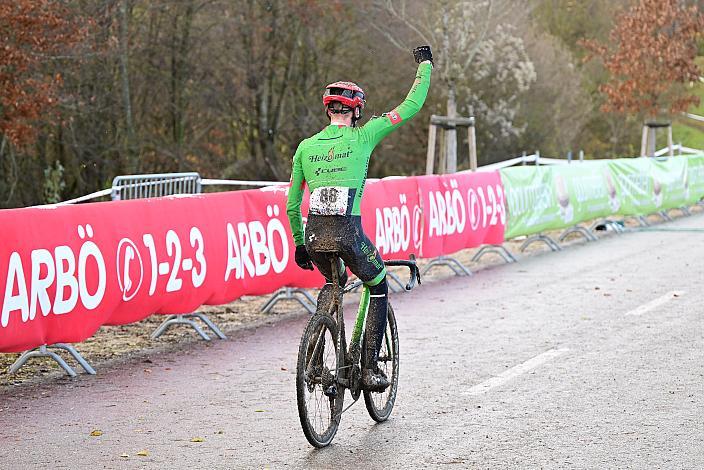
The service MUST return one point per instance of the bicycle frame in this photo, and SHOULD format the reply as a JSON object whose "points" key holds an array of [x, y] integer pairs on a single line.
{"points": [[345, 363], [315, 372]]}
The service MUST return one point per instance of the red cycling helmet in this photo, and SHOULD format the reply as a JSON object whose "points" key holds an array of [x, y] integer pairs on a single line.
{"points": [[346, 93]]}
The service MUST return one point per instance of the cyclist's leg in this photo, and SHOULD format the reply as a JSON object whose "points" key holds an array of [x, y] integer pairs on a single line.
{"points": [[376, 322], [365, 262]]}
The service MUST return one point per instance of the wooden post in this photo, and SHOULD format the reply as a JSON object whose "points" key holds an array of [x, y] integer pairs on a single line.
{"points": [[442, 166], [446, 162], [651, 140], [669, 140], [430, 157], [472, 138], [644, 141]]}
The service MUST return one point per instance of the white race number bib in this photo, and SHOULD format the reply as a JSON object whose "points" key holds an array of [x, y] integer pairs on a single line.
{"points": [[329, 200]]}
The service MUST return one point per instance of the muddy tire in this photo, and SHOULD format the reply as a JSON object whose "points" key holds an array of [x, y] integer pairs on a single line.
{"points": [[317, 361], [380, 404]]}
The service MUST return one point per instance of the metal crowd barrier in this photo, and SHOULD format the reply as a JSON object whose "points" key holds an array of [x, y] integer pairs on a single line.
{"points": [[154, 185], [166, 184]]}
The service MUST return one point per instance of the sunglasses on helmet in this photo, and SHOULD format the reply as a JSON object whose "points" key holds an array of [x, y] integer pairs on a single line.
{"points": [[343, 92]]}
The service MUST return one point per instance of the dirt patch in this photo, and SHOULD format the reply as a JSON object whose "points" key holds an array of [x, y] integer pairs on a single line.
{"points": [[121, 343]]}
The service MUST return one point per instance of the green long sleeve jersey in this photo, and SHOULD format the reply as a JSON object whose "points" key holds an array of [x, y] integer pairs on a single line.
{"points": [[339, 156]]}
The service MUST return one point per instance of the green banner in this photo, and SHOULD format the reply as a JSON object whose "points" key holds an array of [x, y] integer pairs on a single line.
{"points": [[553, 197], [646, 185], [560, 196], [695, 179]]}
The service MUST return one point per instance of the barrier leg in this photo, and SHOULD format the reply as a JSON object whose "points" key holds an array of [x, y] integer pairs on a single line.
{"points": [[684, 210], [77, 356], [666, 217], [618, 227], [458, 268], [288, 293], [586, 233], [541, 238], [396, 285], [642, 221], [187, 319], [311, 300], [497, 249], [209, 323], [43, 351], [273, 300]]}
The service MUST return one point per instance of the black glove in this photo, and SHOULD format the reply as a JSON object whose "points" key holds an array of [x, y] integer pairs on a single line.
{"points": [[423, 53], [303, 258]]}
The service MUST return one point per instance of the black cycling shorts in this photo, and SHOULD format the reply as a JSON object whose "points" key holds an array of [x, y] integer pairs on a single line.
{"points": [[344, 235]]}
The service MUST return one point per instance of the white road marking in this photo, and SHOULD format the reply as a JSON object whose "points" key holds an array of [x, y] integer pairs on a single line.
{"points": [[653, 304], [515, 371]]}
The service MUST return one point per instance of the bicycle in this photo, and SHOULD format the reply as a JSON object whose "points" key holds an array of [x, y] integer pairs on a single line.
{"points": [[327, 366]]}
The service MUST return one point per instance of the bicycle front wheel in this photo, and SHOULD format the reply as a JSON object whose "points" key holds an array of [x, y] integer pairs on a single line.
{"points": [[319, 398], [380, 404]]}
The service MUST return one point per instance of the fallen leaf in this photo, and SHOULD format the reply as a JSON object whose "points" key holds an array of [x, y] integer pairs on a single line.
{"points": [[124, 455], [143, 453], [220, 432], [96, 432], [259, 411], [197, 439]]}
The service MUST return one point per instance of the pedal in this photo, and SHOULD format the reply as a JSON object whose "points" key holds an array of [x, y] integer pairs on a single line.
{"points": [[331, 391]]}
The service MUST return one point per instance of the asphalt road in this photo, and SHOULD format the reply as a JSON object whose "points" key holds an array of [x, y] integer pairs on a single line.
{"points": [[588, 358]]}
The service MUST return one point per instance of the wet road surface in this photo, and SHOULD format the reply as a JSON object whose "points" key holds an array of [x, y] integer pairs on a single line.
{"points": [[590, 357]]}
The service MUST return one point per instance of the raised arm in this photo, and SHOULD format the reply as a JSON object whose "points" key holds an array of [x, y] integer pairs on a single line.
{"points": [[295, 196], [379, 127]]}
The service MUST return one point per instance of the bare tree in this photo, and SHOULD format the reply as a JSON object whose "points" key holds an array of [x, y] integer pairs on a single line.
{"points": [[459, 30]]}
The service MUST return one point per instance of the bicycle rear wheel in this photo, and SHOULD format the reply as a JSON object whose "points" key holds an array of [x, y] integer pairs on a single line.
{"points": [[315, 373], [380, 404]]}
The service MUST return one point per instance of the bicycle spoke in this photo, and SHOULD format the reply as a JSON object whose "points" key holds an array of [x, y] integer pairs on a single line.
{"points": [[317, 362]]}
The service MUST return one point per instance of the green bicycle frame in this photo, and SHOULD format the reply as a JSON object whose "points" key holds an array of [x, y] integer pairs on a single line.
{"points": [[361, 316]]}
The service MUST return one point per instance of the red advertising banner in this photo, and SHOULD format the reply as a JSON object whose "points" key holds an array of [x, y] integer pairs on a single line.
{"points": [[392, 218], [67, 270], [460, 211], [70, 269]]}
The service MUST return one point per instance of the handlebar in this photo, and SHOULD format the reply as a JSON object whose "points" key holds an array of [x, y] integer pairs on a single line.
{"points": [[411, 265]]}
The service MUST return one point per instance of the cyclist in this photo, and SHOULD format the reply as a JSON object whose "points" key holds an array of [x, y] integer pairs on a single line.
{"points": [[334, 164]]}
